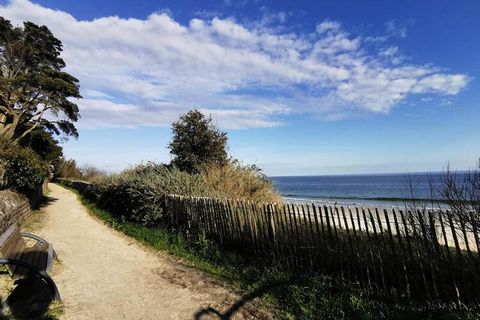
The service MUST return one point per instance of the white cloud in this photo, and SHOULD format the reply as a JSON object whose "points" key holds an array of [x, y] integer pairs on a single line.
{"points": [[398, 29], [328, 25], [136, 72]]}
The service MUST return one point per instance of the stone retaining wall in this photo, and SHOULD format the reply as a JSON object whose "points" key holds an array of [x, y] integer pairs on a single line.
{"points": [[14, 208]]}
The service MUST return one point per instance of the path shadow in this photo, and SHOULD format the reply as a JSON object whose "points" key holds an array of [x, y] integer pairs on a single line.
{"points": [[234, 308], [45, 201], [30, 299]]}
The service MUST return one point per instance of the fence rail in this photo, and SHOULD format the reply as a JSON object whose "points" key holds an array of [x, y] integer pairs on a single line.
{"points": [[410, 254]]}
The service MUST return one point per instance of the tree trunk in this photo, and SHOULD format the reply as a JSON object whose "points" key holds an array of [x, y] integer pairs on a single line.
{"points": [[8, 130]]}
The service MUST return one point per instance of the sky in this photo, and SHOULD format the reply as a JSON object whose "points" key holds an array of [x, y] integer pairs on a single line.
{"points": [[301, 87]]}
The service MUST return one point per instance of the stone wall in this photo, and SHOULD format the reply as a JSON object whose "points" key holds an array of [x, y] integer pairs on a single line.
{"points": [[3, 182], [86, 189], [14, 208], [36, 197]]}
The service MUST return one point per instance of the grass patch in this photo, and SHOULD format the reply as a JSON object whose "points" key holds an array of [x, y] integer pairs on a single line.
{"points": [[290, 296]]}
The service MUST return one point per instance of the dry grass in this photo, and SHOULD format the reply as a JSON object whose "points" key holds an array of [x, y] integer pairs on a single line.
{"points": [[236, 181]]}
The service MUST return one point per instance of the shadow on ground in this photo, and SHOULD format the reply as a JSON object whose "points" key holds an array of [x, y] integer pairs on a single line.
{"points": [[240, 303], [30, 299], [45, 201]]}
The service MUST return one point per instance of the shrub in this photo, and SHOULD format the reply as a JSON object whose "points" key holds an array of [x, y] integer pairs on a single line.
{"points": [[137, 193], [237, 181], [24, 171], [89, 172]]}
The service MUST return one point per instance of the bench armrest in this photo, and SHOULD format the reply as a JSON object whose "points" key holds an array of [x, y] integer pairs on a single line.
{"points": [[39, 240], [34, 237]]}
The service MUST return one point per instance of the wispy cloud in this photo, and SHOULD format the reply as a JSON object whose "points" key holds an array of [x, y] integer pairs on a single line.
{"points": [[136, 72]]}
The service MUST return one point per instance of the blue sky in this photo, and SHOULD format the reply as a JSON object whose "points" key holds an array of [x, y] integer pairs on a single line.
{"points": [[301, 87]]}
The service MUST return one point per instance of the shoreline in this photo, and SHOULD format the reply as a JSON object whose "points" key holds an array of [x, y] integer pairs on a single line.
{"points": [[397, 203]]}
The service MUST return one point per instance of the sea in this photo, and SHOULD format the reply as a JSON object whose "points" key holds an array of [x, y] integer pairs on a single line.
{"points": [[384, 190]]}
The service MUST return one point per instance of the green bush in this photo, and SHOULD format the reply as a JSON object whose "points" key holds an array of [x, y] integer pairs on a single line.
{"points": [[136, 194], [24, 170]]}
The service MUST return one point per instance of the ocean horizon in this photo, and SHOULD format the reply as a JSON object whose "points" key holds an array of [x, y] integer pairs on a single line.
{"points": [[383, 189]]}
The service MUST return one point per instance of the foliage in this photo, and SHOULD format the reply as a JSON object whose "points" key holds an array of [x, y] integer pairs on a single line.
{"points": [[236, 181], [197, 141], [24, 170], [462, 196], [137, 193], [89, 172], [32, 83], [66, 169], [43, 144], [310, 296]]}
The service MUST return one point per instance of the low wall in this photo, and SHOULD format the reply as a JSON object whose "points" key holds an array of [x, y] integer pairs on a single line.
{"points": [[86, 189], [3, 182], [14, 208]]}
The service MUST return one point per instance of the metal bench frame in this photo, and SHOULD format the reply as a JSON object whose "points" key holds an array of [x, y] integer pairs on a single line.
{"points": [[39, 240]]}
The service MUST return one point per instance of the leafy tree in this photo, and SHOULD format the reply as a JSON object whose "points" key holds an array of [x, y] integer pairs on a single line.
{"points": [[43, 144], [66, 169], [196, 141], [32, 83]]}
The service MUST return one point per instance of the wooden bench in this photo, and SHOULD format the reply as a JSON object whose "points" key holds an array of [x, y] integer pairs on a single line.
{"points": [[22, 260]]}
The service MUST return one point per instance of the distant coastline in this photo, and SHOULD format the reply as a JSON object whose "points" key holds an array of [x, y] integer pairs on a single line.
{"points": [[384, 190]]}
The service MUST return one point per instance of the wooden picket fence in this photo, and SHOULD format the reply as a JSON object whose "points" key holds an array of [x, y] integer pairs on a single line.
{"points": [[408, 254]]}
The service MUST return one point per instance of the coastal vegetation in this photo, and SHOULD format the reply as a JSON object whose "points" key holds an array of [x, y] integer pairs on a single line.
{"points": [[462, 195], [291, 294]]}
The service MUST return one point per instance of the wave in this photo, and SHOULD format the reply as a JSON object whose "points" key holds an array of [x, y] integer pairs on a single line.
{"points": [[367, 201], [330, 198]]}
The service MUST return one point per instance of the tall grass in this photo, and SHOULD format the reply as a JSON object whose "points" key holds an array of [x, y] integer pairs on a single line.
{"points": [[237, 181], [138, 192]]}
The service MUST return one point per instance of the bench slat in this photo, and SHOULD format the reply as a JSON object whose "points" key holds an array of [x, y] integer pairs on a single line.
{"points": [[10, 241], [27, 256], [18, 254], [36, 256], [49, 257], [14, 253], [9, 249], [4, 236], [40, 256], [13, 246]]}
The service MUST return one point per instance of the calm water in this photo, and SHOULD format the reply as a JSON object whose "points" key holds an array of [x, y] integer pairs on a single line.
{"points": [[385, 189]]}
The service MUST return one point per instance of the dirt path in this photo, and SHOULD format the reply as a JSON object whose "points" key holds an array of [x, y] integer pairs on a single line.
{"points": [[105, 275]]}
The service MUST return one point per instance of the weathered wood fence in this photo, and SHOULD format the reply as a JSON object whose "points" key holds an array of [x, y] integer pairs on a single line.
{"points": [[410, 254]]}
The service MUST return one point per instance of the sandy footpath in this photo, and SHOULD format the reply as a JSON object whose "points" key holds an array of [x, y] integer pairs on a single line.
{"points": [[105, 275]]}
